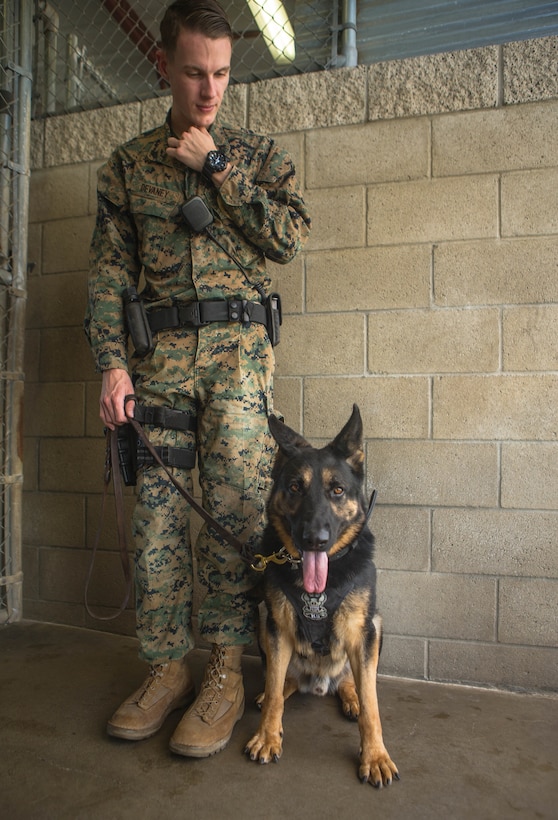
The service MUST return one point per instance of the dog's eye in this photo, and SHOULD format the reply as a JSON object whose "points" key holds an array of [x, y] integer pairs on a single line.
{"points": [[338, 491], [294, 487]]}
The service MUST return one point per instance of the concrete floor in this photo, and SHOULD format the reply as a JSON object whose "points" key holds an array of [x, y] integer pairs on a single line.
{"points": [[462, 752]]}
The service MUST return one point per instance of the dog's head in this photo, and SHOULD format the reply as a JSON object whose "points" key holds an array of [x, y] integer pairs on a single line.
{"points": [[316, 504]]}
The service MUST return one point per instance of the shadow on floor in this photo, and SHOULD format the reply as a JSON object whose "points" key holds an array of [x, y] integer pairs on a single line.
{"points": [[462, 752]]}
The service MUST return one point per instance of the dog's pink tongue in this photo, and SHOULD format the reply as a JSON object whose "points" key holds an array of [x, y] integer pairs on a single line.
{"points": [[314, 571]]}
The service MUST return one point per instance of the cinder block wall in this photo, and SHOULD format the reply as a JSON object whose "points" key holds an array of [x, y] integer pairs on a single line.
{"points": [[428, 294]]}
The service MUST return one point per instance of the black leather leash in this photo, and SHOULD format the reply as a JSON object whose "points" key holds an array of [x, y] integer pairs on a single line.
{"points": [[112, 467]]}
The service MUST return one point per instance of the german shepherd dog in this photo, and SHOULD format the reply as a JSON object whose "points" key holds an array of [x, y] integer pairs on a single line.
{"points": [[322, 633]]}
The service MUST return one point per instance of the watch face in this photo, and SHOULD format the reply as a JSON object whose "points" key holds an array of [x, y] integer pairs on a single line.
{"points": [[215, 162]]}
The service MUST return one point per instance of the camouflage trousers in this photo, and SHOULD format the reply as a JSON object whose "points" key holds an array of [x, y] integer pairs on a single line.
{"points": [[223, 374]]}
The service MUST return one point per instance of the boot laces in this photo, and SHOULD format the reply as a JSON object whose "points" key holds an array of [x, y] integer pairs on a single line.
{"points": [[212, 686], [156, 673]]}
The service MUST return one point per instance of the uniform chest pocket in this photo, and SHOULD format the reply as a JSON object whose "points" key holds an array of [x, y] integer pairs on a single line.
{"points": [[160, 228]]}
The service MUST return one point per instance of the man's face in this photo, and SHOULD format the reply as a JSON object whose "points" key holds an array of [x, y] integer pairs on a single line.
{"points": [[198, 74]]}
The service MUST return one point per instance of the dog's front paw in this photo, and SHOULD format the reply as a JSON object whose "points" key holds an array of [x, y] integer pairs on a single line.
{"points": [[378, 769], [265, 747]]}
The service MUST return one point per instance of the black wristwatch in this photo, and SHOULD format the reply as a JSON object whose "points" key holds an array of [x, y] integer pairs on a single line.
{"points": [[215, 162]]}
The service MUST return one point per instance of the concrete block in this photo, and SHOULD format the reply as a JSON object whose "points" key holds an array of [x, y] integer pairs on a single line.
{"points": [[495, 542], [288, 281], [66, 244], [55, 365], [37, 144], [368, 278], [89, 135], [530, 338], [93, 423], [31, 355], [530, 475], [57, 300], [492, 272], [530, 202], [492, 664], [71, 465], [402, 536], [54, 612], [34, 250], [527, 611], [429, 605], [432, 210], [496, 407], [375, 152], [390, 408], [57, 193], [338, 218], [63, 574], [489, 141], [30, 463], [287, 401], [319, 99], [431, 473], [93, 171], [402, 657], [529, 70], [53, 409], [53, 520], [321, 345], [451, 341], [30, 563], [433, 83]]}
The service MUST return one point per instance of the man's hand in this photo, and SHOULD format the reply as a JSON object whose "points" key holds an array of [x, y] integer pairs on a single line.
{"points": [[192, 149], [117, 384]]}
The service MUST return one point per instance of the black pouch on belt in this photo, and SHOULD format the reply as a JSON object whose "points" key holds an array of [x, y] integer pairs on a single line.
{"points": [[136, 319], [274, 318]]}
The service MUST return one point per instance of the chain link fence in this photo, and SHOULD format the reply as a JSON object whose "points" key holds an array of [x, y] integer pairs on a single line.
{"points": [[95, 53], [15, 102]]}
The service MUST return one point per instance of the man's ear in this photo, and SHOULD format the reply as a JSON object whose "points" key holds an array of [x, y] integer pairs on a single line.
{"points": [[162, 63]]}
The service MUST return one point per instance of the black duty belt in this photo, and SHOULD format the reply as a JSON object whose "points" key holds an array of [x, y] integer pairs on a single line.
{"points": [[196, 314]]}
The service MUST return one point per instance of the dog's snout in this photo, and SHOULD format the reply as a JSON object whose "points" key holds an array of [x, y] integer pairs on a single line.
{"points": [[316, 538]]}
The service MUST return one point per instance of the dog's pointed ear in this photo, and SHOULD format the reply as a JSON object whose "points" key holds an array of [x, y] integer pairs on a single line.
{"points": [[288, 440], [348, 442]]}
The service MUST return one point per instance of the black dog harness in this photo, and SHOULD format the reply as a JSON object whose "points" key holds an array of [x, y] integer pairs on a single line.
{"points": [[314, 614]]}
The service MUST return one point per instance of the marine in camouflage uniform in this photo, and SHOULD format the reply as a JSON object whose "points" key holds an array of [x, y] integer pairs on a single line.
{"points": [[221, 372]]}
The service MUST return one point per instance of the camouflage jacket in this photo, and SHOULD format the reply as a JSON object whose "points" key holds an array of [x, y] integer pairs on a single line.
{"points": [[258, 212]]}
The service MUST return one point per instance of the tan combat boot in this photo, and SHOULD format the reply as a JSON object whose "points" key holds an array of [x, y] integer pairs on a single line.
{"points": [[168, 686], [208, 724]]}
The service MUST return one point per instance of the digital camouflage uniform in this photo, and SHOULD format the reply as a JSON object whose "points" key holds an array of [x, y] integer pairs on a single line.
{"points": [[222, 371]]}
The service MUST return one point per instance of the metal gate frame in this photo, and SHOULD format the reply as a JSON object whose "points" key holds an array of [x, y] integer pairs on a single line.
{"points": [[16, 39]]}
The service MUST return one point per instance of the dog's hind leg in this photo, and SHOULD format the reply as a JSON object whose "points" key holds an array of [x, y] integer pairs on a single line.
{"points": [[376, 766]]}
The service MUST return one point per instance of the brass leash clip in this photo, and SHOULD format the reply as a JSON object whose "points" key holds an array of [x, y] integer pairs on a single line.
{"points": [[260, 562]]}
